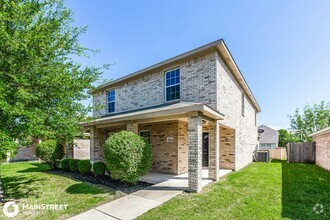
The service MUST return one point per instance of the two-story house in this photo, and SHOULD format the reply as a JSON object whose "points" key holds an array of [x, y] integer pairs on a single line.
{"points": [[268, 139], [196, 110]]}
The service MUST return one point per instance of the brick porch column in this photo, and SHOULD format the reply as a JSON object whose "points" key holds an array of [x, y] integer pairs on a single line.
{"points": [[133, 127], [95, 144], [214, 154], [195, 130]]}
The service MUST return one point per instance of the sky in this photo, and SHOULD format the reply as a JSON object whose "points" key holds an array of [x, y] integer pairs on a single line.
{"points": [[281, 47]]}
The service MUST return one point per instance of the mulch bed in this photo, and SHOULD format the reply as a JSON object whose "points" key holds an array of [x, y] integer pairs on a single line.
{"points": [[103, 180]]}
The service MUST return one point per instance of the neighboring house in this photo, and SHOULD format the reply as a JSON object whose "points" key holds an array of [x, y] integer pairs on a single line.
{"points": [[322, 154], [26, 153], [195, 108], [268, 139]]}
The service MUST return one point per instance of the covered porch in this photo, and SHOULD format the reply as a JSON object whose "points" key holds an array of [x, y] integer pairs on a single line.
{"points": [[185, 139]]}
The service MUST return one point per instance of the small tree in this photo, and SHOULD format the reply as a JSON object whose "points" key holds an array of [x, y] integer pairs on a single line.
{"points": [[41, 82], [51, 152], [312, 119], [284, 138], [128, 156]]}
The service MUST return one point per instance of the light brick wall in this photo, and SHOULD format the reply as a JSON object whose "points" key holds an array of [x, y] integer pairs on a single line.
{"points": [[198, 80], [195, 129], [229, 103], [198, 84], [323, 150], [164, 141], [204, 79], [182, 147], [81, 149], [227, 148]]}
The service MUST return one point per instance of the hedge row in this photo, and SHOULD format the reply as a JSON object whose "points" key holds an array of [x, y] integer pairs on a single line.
{"points": [[83, 166]]}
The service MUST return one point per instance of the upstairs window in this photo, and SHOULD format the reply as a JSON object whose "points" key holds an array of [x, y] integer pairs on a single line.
{"points": [[172, 78], [111, 101]]}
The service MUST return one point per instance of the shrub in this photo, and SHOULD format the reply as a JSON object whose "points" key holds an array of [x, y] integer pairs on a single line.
{"points": [[73, 164], [51, 152], [99, 168], [128, 156], [65, 164], [84, 166]]}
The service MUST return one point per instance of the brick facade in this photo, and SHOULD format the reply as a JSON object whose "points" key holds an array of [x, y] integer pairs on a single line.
{"points": [[164, 142], [182, 147], [195, 129], [229, 103], [177, 145], [81, 149], [323, 150], [227, 148], [198, 84]]}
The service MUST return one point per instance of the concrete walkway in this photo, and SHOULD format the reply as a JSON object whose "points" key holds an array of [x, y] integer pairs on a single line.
{"points": [[131, 206]]}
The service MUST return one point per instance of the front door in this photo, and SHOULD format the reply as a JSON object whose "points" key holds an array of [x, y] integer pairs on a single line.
{"points": [[205, 151]]}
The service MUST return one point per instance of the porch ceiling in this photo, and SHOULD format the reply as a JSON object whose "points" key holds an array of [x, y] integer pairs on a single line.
{"points": [[173, 111]]}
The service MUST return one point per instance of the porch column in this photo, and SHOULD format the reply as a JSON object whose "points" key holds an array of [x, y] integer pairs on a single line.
{"points": [[195, 130], [132, 127], [214, 154], [95, 144]]}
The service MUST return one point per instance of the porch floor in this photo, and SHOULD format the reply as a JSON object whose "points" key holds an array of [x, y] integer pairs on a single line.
{"points": [[180, 181]]}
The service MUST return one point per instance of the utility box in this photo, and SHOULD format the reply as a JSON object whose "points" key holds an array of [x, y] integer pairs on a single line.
{"points": [[262, 156]]}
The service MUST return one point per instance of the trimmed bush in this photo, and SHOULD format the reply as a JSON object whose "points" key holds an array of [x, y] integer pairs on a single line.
{"points": [[128, 156], [65, 164], [99, 168], [73, 164], [51, 152], [84, 166]]}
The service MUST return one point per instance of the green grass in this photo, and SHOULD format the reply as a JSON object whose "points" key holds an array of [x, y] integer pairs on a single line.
{"points": [[27, 183], [274, 190]]}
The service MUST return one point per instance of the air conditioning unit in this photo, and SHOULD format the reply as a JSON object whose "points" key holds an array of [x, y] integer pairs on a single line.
{"points": [[262, 156]]}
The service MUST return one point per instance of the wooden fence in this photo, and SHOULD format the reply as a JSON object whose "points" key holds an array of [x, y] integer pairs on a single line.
{"points": [[278, 153], [301, 152]]}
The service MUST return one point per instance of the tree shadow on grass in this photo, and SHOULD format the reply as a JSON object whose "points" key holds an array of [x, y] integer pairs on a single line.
{"points": [[305, 191], [38, 167], [22, 186], [83, 188]]}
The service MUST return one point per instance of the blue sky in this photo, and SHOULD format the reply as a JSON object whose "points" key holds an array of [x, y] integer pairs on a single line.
{"points": [[281, 47]]}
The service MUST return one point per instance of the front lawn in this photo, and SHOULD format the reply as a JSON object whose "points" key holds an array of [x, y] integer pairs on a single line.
{"points": [[276, 190], [29, 184]]}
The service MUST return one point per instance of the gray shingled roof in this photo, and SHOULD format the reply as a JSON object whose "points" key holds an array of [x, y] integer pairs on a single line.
{"points": [[269, 136]]}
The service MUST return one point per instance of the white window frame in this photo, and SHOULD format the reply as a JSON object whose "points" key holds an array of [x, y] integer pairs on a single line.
{"points": [[173, 100], [108, 102]]}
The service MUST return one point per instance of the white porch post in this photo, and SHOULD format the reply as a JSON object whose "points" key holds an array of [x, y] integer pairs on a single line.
{"points": [[195, 130], [214, 154], [132, 127]]}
